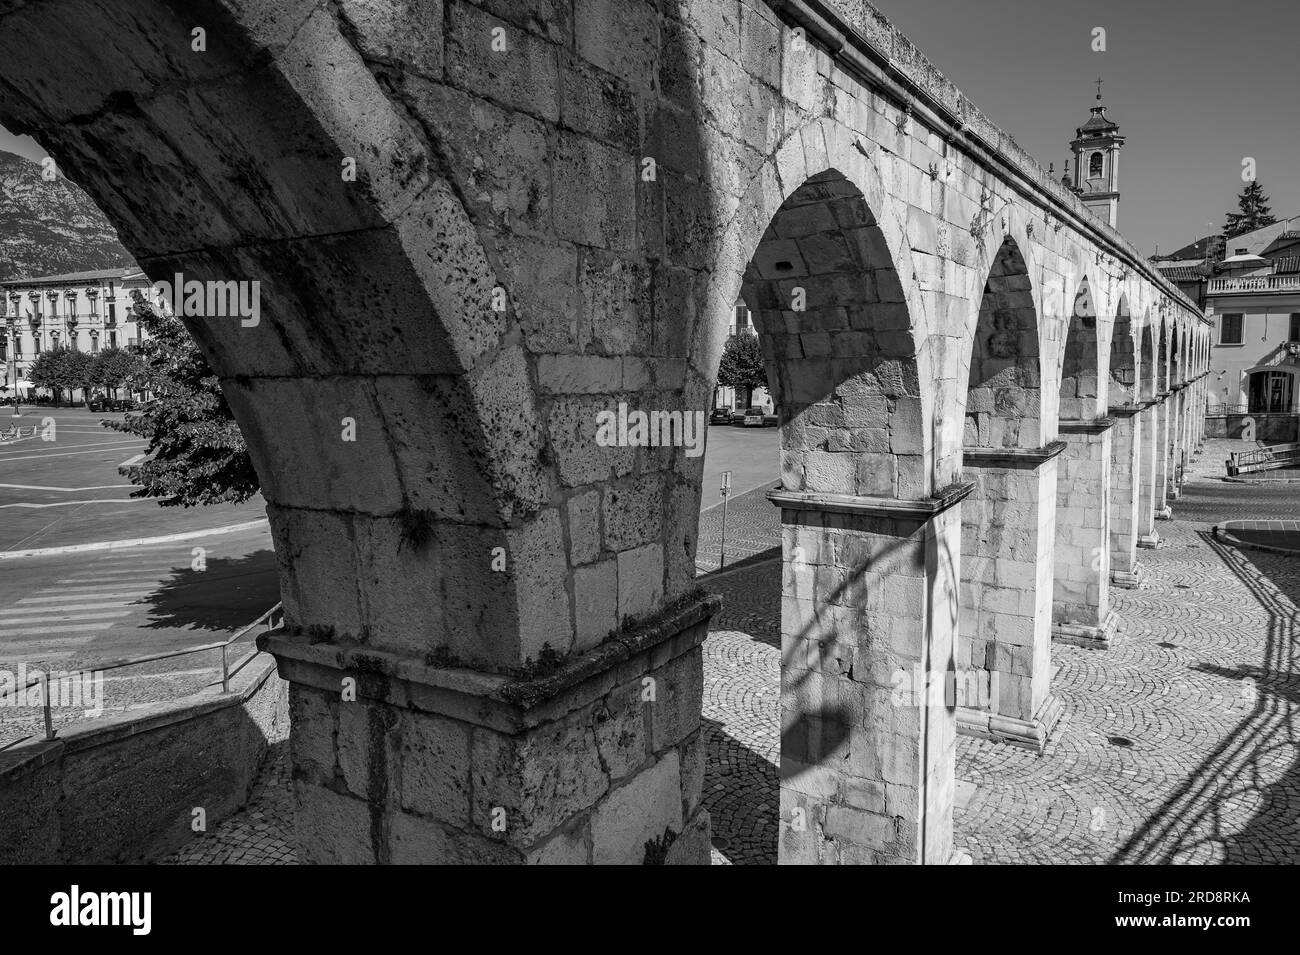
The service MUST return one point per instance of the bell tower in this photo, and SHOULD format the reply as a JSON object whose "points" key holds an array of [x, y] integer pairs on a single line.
{"points": [[1096, 147]]}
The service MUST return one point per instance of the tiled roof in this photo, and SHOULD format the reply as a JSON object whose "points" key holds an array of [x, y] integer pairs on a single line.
{"points": [[1182, 273], [1286, 266], [75, 277]]}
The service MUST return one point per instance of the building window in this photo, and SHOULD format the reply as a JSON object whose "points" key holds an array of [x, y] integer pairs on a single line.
{"points": [[112, 339], [1294, 335], [94, 344], [1230, 329], [741, 323], [1270, 392], [1094, 166]]}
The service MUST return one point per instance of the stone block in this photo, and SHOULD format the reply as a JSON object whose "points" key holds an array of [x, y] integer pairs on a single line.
{"points": [[640, 580], [595, 598], [643, 810]]}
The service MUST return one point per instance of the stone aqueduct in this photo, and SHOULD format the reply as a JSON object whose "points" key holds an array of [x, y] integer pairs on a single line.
{"points": [[986, 401]]}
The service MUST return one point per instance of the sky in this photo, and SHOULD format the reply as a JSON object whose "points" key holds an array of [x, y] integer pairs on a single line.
{"points": [[1196, 86], [22, 145]]}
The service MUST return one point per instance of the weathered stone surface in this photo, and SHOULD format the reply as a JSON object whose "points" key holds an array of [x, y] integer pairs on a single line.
{"points": [[555, 210]]}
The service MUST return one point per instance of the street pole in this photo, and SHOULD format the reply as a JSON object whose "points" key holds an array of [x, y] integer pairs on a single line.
{"points": [[725, 493]]}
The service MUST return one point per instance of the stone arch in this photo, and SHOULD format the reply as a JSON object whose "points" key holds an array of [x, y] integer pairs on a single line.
{"points": [[1081, 552], [845, 366], [1124, 369], [1080, 389], [824, 156], [1147, 366], [1177, 356], [1162, 363], [417, 304], [837, 337], [234, 161], [1004, 403], [1125, 394], [1008, 520]]}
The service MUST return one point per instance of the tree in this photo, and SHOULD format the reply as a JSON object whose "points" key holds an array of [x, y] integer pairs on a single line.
{"points": [[50, 370], [742, 365], [1255, 211], [196, 454], [79, 372], [115, 367]]}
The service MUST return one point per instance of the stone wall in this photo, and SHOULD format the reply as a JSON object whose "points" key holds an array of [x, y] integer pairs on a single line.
{"points": [[123, 789], [1282, 428]]}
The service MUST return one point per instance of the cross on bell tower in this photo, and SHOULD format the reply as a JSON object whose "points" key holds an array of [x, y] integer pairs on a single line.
{"points": [[1096, 147]]}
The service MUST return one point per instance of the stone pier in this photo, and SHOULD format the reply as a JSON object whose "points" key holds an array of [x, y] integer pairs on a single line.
{"points": [[1081, 599], [868, 624], [1008, 531], [1126, 495]]}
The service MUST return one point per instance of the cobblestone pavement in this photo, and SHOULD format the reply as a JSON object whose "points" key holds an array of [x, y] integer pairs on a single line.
{"points": [[259, 834], [1180, 745], [753, 526]]}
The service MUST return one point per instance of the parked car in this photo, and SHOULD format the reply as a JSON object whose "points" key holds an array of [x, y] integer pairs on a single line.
{"points": [[749, 418], [101, 404], [720, 416], [771, 421]]}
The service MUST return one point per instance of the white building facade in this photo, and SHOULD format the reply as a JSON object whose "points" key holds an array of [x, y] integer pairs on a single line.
{"points": [[84, 311]]}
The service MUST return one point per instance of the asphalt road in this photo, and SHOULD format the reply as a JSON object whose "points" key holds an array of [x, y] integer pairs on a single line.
{"points": [[62, 486], [752, 455], [83, 610]]}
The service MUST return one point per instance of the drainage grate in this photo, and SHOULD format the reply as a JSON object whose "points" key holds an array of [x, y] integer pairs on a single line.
{"points": [[721, 843], [1120, 741], [1167, 645]]}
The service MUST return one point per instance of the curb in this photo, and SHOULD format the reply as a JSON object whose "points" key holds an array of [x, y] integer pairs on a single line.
{"points": [[1259, 481], [1225, 536], [135, 542]]}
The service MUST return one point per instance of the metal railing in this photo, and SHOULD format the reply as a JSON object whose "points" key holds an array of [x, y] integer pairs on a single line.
{"points": [[1263, 459], [43, 680], [1215, 410]]}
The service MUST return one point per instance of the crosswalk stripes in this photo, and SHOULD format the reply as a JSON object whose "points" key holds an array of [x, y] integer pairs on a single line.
{"points": [[113, 605], [62, 628], [90, 599], [65, 617], [70, 596]]}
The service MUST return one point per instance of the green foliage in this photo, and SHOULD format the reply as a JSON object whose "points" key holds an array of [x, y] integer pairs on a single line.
{"points": [[62, 369], [50, 370], [115, 368], [742, 365], [196, 454], [1255, 212]]}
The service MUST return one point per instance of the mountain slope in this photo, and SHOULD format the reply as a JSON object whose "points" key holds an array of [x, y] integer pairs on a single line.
{"points": [[50, 227]]}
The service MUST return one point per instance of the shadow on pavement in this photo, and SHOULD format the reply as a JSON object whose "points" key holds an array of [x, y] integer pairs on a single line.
{"points": [[1258, 761], [228, 594], [742, 796]]}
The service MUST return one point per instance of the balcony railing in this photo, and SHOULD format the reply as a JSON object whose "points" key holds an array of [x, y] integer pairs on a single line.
{"points": [[1255, 283]]}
